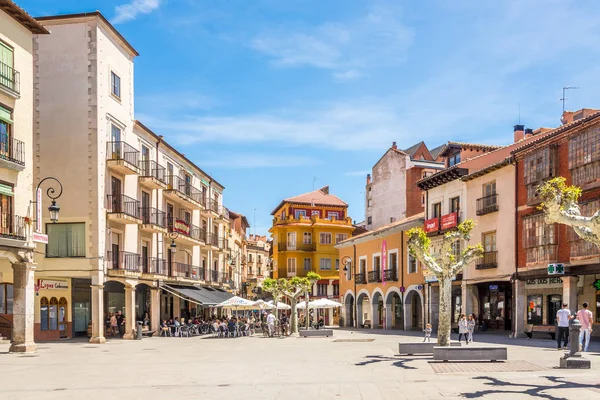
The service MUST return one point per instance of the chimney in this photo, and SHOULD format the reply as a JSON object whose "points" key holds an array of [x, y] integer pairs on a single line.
{"points": [[528, 133], [394, 145], [368, 179], [519, 132], [325, 189]]}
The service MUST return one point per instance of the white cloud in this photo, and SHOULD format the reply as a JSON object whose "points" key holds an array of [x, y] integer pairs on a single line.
{"points": [[255, 160], [378, 38], [129, 11]]}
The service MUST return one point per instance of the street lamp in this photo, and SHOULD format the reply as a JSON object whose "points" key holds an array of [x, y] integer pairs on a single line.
{"points": [[173, 245], [54, 208], [345, 261]]}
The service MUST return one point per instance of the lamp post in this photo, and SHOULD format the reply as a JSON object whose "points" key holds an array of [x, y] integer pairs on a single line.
{"points": [[352, 260], [53, 209], [173, 245]]}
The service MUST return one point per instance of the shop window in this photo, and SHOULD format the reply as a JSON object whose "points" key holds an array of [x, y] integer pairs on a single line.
{"points": [[44, 313], [53, 314], [554, 304], [539, 166], [6, 298], [584, 157], [598, 308], [534, 309], [322, 289], [539, 239]]}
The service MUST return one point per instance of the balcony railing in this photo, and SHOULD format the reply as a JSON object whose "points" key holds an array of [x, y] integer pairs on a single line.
{"points": [[12, 226], [121, 204], [124, 260], [152, 169], [183, 270], [12, 149], [223, 244], [9, 78], [390, 275], [157, 266], [374, 276], [214, 275], [151, 215], [488, 260], [487, 204], [212, 205], [122, 151], [541, 254], [212, 239], [297, 246], [180, 185], [360, 279], [223, 212], [182, 227]]}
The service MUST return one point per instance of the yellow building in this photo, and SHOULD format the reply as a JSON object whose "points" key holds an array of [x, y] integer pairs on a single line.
{"points": [[305, 230]]}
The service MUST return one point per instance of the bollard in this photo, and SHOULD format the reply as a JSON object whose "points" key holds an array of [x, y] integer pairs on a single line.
{"points": [[574, 359], [139, 330]]}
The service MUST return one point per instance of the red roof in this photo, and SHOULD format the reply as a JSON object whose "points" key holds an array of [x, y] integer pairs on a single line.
{"points": [[320, 197]]}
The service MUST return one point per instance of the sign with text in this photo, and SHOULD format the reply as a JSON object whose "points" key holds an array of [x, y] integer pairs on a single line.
{"points": [[556, 269], [48, 284], [39, 238], [383, 259], [544, 282], [432, 225], [38, 211], [449, 220]]}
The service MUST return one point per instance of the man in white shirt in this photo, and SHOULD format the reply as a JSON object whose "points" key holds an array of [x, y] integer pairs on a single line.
{"points": [[271, 323], [586, 318], [562, 318]]}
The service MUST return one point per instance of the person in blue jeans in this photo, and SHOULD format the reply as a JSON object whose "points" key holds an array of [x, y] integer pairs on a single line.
{"points": [[563, 316]]}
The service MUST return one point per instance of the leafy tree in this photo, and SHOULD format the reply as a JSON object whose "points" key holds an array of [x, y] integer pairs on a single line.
{"points": [[560, 206], [445, 266]]}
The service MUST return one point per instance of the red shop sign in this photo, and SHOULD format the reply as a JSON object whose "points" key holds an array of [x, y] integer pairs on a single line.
{"points": [[432, 225], [449, 220]]}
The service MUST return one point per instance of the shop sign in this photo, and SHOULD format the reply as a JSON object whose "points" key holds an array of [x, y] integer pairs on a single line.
{"points": [[597, 284], [544, 282], [493, 287], [181, 227], [556, 269], [52, 285], [449, 220], [432, 225]]}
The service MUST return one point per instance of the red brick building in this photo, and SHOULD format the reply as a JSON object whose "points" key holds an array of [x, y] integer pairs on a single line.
{"points": [[571, 151]]}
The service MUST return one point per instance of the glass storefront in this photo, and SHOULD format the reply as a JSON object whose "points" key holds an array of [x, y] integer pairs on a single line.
{"points": [[535, 309], [495, 301]]}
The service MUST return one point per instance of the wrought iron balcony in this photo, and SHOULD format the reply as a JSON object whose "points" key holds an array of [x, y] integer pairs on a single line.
{"points": [[212, 239], [153, 170], [153, 216], [183, 227], [12, 149], [122, 204], [390, 275], [489, 260], [124, 260], [183, 188], [183, 270], [10, 78], [284, 246], [121, 151], [12, 227], [157, 266], [214, 275], [374, 276], [487, 204], [360, 279], [223, 244]]}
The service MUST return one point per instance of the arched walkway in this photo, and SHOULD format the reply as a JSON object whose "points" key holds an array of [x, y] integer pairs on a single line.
{"points": [[362, 307], [142, 301], [413, 310], [349, 309], [394, 315], [377, 309]]}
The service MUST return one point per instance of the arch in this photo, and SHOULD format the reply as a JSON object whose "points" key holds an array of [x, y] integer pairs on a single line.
{"points": [[394, 308], [361, 315], [377, 313], [348, 309], [413, 308]]}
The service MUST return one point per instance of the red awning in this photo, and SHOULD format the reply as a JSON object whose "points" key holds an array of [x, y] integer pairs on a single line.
{"points": [[323, 281], [336, 282]]}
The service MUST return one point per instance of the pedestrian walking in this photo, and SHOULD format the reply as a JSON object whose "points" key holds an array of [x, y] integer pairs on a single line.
{"points": [[271, 323], [462, 328], [113, 325], [470, 327], [563, 316], [586, 318], [120, 323], [427, 331]]}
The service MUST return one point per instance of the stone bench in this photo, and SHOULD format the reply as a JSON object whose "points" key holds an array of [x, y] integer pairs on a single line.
{"points": [[470, 353], [543, 329], [420, 347], [316, 333]]}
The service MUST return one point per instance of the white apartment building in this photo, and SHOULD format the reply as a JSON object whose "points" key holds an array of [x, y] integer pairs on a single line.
{"points": [[258, 265], [142, 228], [16, 175]]}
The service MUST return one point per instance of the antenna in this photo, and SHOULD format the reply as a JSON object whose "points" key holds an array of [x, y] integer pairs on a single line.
{"points": [[314, 180], [564, 98]]}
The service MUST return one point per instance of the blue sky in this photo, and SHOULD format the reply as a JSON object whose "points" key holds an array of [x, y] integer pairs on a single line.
{"points": [[267, 94]]}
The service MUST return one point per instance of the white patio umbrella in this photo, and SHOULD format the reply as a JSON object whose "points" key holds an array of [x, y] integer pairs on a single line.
{"points": [[262, 305], [319, 303], [280, 306], [237, 303]]}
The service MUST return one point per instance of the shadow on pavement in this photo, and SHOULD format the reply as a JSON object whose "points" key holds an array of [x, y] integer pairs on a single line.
{"points": [[533, 390], [397, 362]]}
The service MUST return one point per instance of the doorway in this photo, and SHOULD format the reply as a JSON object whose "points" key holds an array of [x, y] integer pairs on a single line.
{"points": [[554, 304]]}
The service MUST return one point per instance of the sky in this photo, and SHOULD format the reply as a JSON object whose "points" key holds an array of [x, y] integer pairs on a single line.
{"points": [[275, 97]]}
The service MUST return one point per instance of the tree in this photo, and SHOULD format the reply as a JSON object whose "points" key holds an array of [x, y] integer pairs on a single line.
{"points": [[291, 288], [313, 278], [445, 266], [560, 206]]}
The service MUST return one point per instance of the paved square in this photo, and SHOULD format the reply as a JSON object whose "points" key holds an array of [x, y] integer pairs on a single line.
{"points": [[286, 368]]}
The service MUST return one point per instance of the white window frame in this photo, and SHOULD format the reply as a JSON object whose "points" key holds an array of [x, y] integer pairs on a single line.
{"points": [[321, 237], [363, 258], [349, 270], [315, 213], [408, 256], [305, 235], [291, 266], [117, 97], [390, 252], [299, 214], [291, 244], [331, 213], [373, 261], [340, 234], [321, 264], [309, 264]]}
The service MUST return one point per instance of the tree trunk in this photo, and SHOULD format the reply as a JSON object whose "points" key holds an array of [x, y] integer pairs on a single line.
{"points": [[445, 319], [307, 320], [294, 317]]}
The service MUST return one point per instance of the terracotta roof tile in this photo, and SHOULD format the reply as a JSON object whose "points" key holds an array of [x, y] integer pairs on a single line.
{"points": [[21, 16], [318, 197]]}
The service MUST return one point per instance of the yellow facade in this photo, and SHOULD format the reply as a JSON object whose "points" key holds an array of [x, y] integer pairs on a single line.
{"points": [[304, 236]]}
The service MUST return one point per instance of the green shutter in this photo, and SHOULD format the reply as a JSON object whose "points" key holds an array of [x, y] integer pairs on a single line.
{"points": [[5, 115], [6, 55], [6, 190]]}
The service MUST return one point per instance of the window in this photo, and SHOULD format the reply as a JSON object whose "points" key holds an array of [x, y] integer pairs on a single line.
{"points": [[369, 203], [362, 266], [259, 271], [412, 264], [283, 214], [7, 79], [377, 263], [337, 264], [325, 264], [340, 237], [454, 159], [321, 289], [315, 213], [65, 240], [291, 240], [115, 85], [584, 157], [291, 266], [539, 166], [307, 238], [456, 249], [369, 220], [336, 290], [393, 262], [539, 239], [250, 257], [489, 242], [250, 270], [259, 259], [422, 199], [580, 247], [437, 210], [299, 214], [307, 264], [454, 204], [5, 130], [325, 238], [332, 215], [6, 298], [348, 271], [489, 188]]}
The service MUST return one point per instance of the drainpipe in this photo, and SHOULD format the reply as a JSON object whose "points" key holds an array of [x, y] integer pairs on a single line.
{"points": [[402, 275], [355, 294], [159, 243], [516, 278]]}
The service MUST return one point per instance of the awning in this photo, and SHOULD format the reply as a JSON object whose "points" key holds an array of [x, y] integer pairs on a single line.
{"points": [[6, 190], [5, 115], [216, 295], [323, 282], [336, 282], [193, 293]]}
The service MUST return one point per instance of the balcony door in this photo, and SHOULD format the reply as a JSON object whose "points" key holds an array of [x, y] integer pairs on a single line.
{"points": [[188, 184], [6, 210], [115, 189], [291, 240], [146, 161], [146, 207], [6, 67], [115, 137], [145, 253], [116, 239], [489, 242]]}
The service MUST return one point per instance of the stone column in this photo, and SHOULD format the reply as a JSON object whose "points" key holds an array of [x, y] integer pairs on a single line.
{"points": [[129, 312], [176, 307], [464, 294], [155, 309], [97, 314], [570, 292], [519, 308], [23, 297]]}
